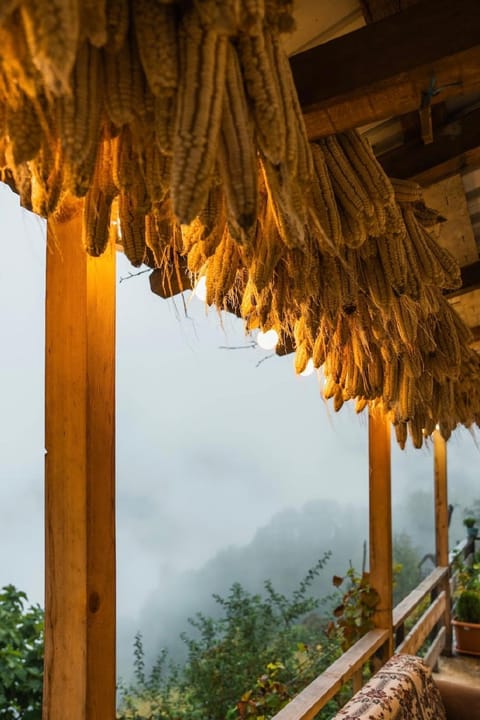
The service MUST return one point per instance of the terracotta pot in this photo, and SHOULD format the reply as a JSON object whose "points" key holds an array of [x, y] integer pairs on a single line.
{"points": [[467, 637]]}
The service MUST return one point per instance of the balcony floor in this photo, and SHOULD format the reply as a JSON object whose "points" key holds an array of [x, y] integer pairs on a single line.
{"points": [[460, 668]]}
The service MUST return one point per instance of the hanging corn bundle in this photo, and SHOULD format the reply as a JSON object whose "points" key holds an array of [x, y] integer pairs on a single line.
{"points": [[180, 122]]}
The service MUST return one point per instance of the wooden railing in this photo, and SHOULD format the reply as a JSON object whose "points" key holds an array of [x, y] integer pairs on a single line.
{"points": [[434, 620], [348, 667], [420, 621], [430, 626]]}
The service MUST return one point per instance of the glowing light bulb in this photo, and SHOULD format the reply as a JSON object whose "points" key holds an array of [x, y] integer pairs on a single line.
{"points": [[200, 289], [267, 340], [309, 368]]}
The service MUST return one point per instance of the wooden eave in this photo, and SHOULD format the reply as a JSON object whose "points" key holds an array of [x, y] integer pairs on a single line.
{"points": [[387, 68]]}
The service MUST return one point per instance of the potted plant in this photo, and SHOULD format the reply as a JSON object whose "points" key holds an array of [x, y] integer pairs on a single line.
{"points": [[466, 622], [471, 525]]}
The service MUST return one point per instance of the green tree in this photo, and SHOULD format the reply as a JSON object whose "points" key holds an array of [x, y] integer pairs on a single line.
{"points": [[406, 558], [21, 656], [247, 662]]}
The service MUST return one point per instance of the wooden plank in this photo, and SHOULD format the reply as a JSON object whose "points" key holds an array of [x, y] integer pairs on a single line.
{"points": [[316, 695], [436, 648], [374, 10], [441, 498], [380, 520], [441, 527], [455, 149], [421, 630], [405, 608], [101, 559], [470, 280], [455, 234], [433, 39], [357, 680], [79, 678], [467, 307]]}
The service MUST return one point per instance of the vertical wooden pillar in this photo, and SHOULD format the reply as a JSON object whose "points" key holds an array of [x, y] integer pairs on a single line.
{"points": [[79, 681], [441, 523], [380, 521]]}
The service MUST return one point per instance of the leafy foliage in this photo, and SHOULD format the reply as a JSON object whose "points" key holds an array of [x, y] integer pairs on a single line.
{"points": [[468, 607], [354, 616], [21, 657], [467, 589], [247, 663], [407, 573]]}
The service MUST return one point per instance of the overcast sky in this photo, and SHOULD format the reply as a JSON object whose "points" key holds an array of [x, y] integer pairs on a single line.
{"points": [[210, 445]]}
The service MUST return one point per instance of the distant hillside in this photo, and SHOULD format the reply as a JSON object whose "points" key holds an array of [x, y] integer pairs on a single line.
{"points": [[282, 551]]}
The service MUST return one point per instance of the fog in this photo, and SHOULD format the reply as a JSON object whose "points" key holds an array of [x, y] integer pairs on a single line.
{"points": [[229, 467]]}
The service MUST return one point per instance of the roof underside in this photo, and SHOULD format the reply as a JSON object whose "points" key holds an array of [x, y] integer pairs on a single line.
{"points": [[184, 125]]}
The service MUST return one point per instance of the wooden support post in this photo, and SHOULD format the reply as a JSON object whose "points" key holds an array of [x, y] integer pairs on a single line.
{"points": [[380, 520], [79, 679], [441, 526]]}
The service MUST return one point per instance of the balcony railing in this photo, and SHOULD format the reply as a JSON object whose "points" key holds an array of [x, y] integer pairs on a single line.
{"points": [[421, 622]]}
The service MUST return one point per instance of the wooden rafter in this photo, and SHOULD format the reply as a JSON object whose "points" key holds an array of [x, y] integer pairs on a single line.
{"points": [[475, 333], [383, 69], [456, 148], [470, 280], [374, 10]]}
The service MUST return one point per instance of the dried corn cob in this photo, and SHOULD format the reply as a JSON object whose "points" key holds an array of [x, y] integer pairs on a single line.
{"points": [[98, 203], [24, 129], [290, 225], [47, 180], [298, 157], [347, 187], [156, 172], [261, 82], [117, 20], [93, 21], [52, 38], [252, 15], [121, 83], [221, 271], [132, 224], [393, 259], [360, 154], [360, 405], [377, 284], [401, 433], [303, 354], [78, 115], [155, 26], [203, 54], [323, 198], [237, 160], [415, 427], [164, 113], [19, 71], [406, 191]]}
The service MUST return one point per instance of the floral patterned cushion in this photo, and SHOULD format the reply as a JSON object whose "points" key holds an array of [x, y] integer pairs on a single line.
{"points": [[403, 689]]}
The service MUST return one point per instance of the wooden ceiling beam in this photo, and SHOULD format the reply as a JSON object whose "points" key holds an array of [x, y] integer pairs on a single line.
{"points": [[470, 280], [455, 149], [385, 69], [475, 333], [374, 10]]}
